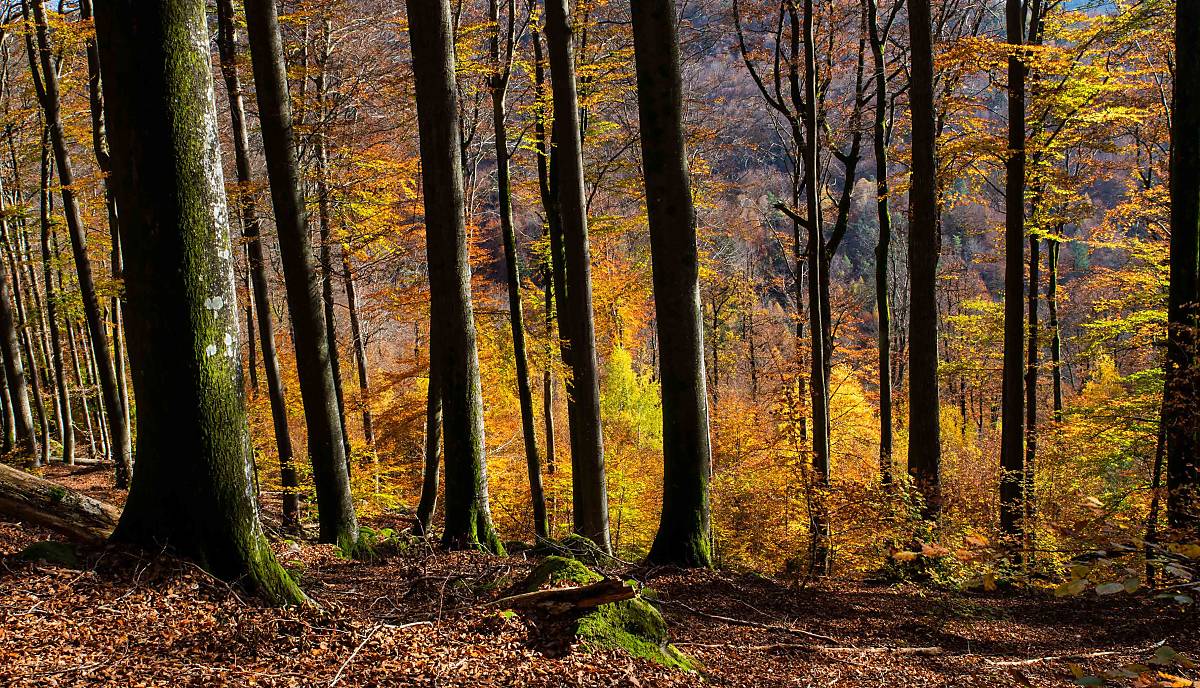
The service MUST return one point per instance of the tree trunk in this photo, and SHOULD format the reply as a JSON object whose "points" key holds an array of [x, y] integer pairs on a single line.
{"points": [[14, 371], [83, 394], [67, 428], [104, 162], [498, 83], [924, 246], [452, 328], [360, 349], [818, 391], [326, 249], [883, 247], [430, 475], [685, 527], [1182, 407], [588, 484], [192, 490], [53, 506], [1052, 246], [1012, 432], [326, 450], [1031, 381], [114, 408], [256, 266]]}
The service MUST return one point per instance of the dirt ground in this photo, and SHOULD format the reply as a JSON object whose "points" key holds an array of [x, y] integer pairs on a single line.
{"points": [[418, 617]]}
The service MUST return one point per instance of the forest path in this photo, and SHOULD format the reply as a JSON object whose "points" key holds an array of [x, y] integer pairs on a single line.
{"points": [[414, 618]]}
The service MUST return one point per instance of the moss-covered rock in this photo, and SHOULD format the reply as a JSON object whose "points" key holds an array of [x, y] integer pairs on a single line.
{"points": [[555, 571], [634, 626], [56, 553]]}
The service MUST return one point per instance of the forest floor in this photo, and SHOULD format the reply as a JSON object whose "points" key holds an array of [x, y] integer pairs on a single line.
{"points": [[419, 618]]}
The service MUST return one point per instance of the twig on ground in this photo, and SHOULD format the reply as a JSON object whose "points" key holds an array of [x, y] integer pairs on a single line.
{"points": [[753, 624], [895, 650], [370, 634], [1087, 655]]}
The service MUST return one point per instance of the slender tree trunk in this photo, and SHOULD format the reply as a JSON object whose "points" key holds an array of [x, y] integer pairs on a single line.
{"points": [[1052, 246], [83, 394], [326, 249], [589, 486], [360, 349], [338, 523], [252, 354], [1012, 432], [113, 406], [883, 247], [685, 527], [104, 162], [67, 428], [1181, 415], [468, 518], [498, 83], [14, 370], [818, 391], [10, 423], [433, 443], [193, 485], [1031, 381], [256, 266], [548, 373]]}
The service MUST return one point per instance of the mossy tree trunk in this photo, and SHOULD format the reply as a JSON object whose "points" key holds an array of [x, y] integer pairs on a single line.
{"points": [[685, 525], [192, 489], [321, 414], [452, 321], [588, 484], [14, 370], [256, 264]]}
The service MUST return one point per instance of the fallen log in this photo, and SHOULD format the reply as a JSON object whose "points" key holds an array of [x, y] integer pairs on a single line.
{"points": [[46, 503], [582, 597]]}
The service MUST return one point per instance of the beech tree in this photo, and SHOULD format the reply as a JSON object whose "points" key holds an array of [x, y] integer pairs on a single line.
{"points": [[321, 413], [588, 487], [452, 320], [256, 262], [924, 246], [684, 528], [1180, 415], [192, 489]]}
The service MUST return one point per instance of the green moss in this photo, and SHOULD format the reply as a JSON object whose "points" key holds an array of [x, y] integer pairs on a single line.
{"points": [[636, 627], [56, 553], [555, 570], [583, 549]]}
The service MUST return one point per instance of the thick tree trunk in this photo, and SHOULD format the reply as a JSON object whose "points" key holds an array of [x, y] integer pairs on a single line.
{"points": [[924, 246], [114, 407], [1012, 432], [685, 527], [589, 486], [498, 83], [326, 450], [53, 506], [1182, 408], [883, 247], [193, 487], [468, 518], [256, 266]]}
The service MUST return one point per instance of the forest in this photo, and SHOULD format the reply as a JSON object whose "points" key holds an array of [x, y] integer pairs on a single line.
{"points": [[600, 342]]}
